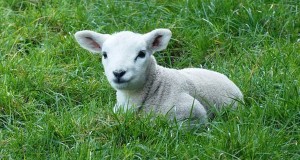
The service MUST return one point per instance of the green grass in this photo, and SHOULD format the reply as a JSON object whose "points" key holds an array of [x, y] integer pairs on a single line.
{"points": [[55, 102]]}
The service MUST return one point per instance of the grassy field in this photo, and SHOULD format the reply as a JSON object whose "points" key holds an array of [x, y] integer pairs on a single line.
{"points": [[55, 101]]}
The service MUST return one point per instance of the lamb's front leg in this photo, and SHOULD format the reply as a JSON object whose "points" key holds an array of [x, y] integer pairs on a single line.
{"points": [[122, 102]]}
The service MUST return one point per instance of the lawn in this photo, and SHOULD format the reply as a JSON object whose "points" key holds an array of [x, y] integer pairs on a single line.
{"points": [[55, 101]]}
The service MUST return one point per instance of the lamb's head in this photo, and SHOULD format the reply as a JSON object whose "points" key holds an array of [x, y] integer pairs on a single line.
{"points": [[125, 55]]}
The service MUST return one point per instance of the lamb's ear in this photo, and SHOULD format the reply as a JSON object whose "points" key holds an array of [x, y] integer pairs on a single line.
{"points": [[91, 40], [158, 39]]}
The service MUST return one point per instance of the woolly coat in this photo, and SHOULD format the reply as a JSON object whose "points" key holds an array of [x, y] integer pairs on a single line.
{"points": [[181, 94]]}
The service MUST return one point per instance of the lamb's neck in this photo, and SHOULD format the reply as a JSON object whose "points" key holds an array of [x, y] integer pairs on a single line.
{"points": [[140, 95], [152, 72]]}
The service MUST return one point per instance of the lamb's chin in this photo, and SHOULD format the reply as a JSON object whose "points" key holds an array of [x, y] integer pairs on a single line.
{"points": [[120, 86], [129, 86]]}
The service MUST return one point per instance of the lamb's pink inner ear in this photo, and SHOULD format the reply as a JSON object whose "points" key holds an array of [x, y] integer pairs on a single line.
{"points": [[93, 42], [157, 41]]}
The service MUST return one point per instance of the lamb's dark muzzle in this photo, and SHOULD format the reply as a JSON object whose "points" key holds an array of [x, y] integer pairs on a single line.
{"points": [[119, 73]]}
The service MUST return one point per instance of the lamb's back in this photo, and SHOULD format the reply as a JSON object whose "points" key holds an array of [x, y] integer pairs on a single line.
{"points": [[210, 87]]}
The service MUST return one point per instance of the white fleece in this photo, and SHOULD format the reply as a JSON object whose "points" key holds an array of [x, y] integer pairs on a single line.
{"points": [[142, 85]]}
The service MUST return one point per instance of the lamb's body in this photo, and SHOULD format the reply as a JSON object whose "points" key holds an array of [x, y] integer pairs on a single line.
{"points": [[143, 85], [176, 92]]}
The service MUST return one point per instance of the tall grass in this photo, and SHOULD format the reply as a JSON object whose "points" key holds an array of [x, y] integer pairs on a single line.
{"points": [[55, 102]]}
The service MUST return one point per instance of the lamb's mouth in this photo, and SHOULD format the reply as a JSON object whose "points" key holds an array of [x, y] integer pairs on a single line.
{"points": [[120, 81]]}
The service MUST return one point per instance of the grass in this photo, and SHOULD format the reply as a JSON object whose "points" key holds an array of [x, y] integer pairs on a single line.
{"points": [[55, 102]]}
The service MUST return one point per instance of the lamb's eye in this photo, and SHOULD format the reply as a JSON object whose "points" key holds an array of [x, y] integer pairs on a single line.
{"points": [[104, 54], [141, 54]]}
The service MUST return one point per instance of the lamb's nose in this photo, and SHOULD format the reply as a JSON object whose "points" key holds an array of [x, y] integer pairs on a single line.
{"points": [[119, 73]]}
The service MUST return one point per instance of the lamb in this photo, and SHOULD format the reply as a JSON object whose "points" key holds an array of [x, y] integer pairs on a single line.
{"points": [[143, 85]]}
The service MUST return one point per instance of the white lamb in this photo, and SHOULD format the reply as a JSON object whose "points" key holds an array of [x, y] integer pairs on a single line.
{"points": [[142, 85]]}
